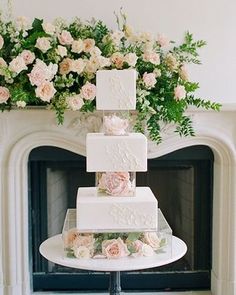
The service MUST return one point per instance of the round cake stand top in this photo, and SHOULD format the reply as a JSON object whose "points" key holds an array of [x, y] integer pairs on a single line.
{"points": [[52, 250]]}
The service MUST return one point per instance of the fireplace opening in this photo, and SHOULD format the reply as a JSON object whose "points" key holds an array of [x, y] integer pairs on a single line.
{"points": [[182, 181]]}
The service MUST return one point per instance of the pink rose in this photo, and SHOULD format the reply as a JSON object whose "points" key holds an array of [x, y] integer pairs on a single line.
{"points": [[115, 183], [78, 65], [88, 91], [86, 240], [88, 44], [75, 102], [151, 238], [151, 57], [65, 66], [149, 79], [4, 94], [113, 125], [17, 65], [42, 72], [43, 44], [1, 42], [114, 248], [77, 46], [65, 38], [45, 91], [163, 41], [180, 92], [131, 59], [28, 56], [117, 59]]}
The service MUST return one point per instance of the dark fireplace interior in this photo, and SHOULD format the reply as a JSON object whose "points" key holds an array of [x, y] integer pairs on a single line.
{"points": [[182, 181]]}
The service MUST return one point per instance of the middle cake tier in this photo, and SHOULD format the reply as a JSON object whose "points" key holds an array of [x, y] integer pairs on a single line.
{"points": [[96, 213], [116, 153]]}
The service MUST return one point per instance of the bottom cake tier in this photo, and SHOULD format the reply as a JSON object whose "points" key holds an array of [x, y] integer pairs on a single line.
{"points": [[115, 245]]}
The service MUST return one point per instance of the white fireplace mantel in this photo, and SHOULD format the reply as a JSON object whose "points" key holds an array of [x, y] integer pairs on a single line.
{"points": [[21, 131]]}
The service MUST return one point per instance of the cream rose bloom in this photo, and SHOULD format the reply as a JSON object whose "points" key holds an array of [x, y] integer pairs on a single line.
{"points": [[78, 65], [88, 91], [61, 51], [28, 56], [45, 91], [4, 94], [82, 252], [65, 38], [180, 92], [1, 42], [117, 59], [41, 72], [95, 52], [77, 46], [131, 59], [3, 66], [21, 104], [43, 44], [151, 239], [17, 65], [65, 67], [103, 61], [75, 102], [92, 65], [49, 28], [88, 44]]}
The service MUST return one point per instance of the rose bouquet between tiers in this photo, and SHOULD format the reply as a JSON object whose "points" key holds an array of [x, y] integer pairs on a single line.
{"points": [[112, 245]]}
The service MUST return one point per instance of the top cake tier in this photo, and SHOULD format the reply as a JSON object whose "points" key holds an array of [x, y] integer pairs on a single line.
{"points": [[116, 90]]}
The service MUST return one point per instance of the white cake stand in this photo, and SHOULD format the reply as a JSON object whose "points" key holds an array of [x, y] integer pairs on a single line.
{"points": [[52, 250]]}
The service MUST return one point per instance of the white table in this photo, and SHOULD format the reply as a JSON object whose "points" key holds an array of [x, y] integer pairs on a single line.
{"points": [[52, 250]]}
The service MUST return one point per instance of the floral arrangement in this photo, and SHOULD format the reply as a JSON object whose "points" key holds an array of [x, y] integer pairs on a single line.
{"points": [[116, 183], [55, 64], [111, 245], [114, 125]]}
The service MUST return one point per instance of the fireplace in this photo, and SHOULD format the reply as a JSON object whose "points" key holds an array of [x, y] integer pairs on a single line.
{"points": [[182, 182], [22, 131]]}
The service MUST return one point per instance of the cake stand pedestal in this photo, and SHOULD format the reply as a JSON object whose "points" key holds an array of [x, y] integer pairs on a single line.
{"points": [[52, 250]]}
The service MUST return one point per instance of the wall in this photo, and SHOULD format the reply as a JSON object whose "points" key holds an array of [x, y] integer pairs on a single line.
{"points": [[211, 20]]}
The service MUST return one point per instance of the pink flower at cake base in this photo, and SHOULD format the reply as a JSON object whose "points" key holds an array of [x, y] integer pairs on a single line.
{"points": [[152, 240], [82, 252], [88, 91], [69, 237], [4, 94], [142, 249], [115, 183], [113, 125], [114, 249]]}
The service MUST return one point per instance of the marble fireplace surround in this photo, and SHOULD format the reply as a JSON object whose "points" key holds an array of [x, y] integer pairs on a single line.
{"points": [[21, 131]]}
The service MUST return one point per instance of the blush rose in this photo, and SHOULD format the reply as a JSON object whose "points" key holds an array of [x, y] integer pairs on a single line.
{"points": [[114, 249]]}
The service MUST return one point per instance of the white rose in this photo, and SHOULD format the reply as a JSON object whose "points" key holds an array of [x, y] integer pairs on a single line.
{"points": [[95, 51], [65, 38], [151, 239], [17, 65], [103, 61], [1, 41], [49, 28], [21, 104], [147, 250], [77, 46], [131, 59], [43, 44], [61, 50], [81, 252]]}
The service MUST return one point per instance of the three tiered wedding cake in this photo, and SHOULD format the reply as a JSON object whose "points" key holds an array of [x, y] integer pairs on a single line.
{"points": [[115, 218]]}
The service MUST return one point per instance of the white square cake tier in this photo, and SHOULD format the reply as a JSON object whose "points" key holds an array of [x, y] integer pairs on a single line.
{"points": [[116, 90], [116, 153], [95, 213]]}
